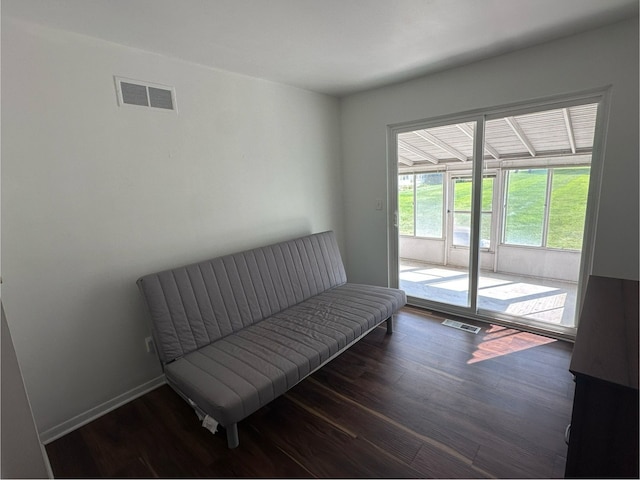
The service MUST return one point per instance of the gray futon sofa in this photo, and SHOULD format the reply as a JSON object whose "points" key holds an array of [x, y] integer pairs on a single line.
{"points": [[235, 332]]}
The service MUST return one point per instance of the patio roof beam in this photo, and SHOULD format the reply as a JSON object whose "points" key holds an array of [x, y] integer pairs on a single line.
{"points": [[404, 160], [468, 131], [568, 124], [511, 121], [443, 145], [416, 151]]}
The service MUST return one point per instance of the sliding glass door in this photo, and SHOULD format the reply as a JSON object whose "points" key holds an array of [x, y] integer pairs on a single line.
{"points": [[492, 212], [435, 213]]}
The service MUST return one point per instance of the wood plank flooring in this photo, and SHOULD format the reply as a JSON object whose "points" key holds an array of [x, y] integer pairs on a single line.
{"points": [[427, 401]]}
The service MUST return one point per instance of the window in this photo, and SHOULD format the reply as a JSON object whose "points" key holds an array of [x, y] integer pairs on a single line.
{"points": [[567, 207], [420, 202], [406, 197], [545, 207], [525, 205]]}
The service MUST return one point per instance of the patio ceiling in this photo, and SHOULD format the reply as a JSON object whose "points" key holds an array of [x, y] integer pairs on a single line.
{"points": [[564, 131]]}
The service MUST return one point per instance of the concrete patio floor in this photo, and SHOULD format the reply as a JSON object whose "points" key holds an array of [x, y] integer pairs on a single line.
{"points": [[549, 301]]}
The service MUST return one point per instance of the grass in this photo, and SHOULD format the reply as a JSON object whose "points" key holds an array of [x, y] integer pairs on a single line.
{"points": [[568, 208], [405, 210], [462, 194], [429, 207], [524, 216]]}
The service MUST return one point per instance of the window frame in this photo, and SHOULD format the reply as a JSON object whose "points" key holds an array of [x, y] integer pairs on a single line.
{"points": [[547, 205]]}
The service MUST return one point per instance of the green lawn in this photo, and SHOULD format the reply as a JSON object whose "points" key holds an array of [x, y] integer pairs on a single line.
{"points": [[462, 197], [524, 216], [429, 207], [568, 208], [405, 210]]}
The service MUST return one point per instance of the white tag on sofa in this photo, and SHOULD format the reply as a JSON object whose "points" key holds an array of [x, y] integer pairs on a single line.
{"points": [[210, 424]]}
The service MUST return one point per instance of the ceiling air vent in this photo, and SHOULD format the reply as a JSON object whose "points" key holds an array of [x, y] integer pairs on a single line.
{"points": [[145, 94]]}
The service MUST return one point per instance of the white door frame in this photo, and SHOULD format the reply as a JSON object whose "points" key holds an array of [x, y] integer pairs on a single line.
{"points": [[600, 96]]}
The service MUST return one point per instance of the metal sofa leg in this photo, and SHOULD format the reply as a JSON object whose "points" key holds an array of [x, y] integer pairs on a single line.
{"points": [[390, 325], [232, 435]]}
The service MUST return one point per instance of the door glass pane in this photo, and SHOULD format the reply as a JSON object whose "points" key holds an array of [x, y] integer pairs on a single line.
{"points": [[486, 218], [541, 162], [525, 206], [485, 230], [458, 241], [434, 233], [462, 211], [462, 194], [461, 228], [429, 204], [487, 194]]}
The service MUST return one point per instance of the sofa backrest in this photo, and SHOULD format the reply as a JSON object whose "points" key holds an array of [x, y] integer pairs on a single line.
{"points": [[195, 305]]}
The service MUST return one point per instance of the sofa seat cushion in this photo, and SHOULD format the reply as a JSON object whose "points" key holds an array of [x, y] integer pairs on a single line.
{"points": [[237, 374]]}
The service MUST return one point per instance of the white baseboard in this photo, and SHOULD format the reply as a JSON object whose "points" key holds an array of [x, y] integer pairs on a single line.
{"points": [[78, 421], [47, 463]]}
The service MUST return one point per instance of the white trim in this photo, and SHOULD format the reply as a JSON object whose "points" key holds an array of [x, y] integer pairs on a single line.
{"points": [[78, 421], [515, 109], [476, 213], [593, 200], [47, 463], [601, 96], [393, 220]]}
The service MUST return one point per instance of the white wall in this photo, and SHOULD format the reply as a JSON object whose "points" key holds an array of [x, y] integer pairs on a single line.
{"points": [[606, 56], [511, 259], [21, 454], [539, 262], [94, 195], [427, 250]]}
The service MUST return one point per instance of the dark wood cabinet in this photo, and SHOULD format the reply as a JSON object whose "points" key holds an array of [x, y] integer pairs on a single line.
{"points": [[604, 430], [603, 440]]}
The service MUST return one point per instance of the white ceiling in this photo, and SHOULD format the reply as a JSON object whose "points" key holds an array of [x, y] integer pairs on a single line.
{"points": [[330, 46]]}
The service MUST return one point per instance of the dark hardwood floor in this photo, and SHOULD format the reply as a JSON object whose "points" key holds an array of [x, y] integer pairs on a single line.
{"points": [[427, 401]]}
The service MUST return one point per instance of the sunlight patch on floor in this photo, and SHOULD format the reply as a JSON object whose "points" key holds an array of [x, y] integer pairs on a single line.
{"points": [[548, 309], [417, 277], [441, 272], [460, 285], [499, 341], [516, 290]]}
